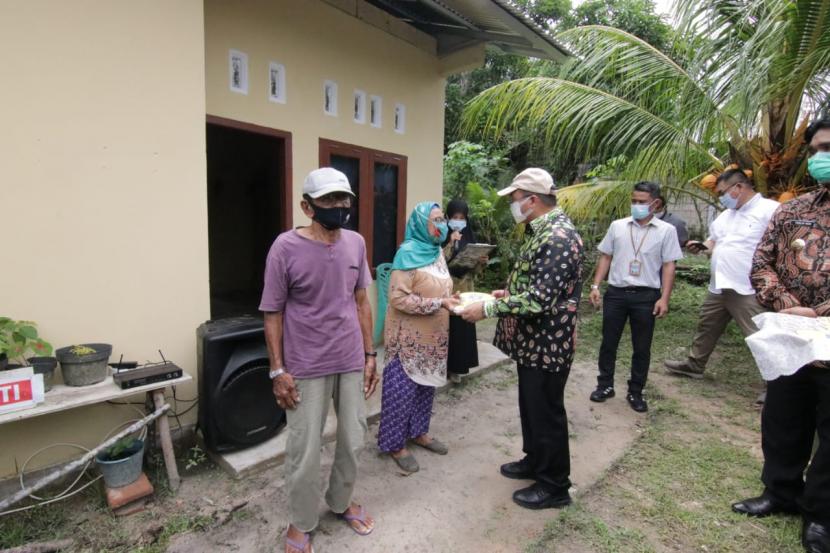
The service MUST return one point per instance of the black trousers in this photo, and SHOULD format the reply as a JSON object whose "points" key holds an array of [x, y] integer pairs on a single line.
{"points": [[545, 427], [637, 306], [797, 408]]}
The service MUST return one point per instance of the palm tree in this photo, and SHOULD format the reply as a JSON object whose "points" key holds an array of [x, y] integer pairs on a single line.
{"points": [[743, 79]]}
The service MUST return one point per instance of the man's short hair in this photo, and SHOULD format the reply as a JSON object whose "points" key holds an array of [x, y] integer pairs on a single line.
{"points": [[652, 188], [815, 126], [729, 173], [548, 200]]}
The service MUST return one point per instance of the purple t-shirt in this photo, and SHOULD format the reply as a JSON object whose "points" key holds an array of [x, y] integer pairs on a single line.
{"points": [[313, 285]]}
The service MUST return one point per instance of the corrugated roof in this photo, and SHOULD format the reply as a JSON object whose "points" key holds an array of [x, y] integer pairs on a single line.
{"points": [[457, 24]]}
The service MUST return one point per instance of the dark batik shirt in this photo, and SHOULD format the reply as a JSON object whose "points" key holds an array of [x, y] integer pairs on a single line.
{"points": [[791, 267], [537, 318]]}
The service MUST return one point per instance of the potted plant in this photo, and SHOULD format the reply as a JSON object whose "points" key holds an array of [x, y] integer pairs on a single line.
{"points": [[121, 463], [84, 364], [20, 345]]}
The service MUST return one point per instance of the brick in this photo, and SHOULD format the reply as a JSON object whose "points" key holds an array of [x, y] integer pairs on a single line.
{"points": [[118, 497]]}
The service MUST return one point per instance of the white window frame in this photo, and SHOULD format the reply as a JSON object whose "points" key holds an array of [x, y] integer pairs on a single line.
{"points": [[400, 118], [282, 94], [243, 71], [375, 111], [359, 107], [330, 92]]}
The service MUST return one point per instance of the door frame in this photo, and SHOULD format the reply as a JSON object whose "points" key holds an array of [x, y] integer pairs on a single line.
{"points": [[366, 200], [284, 156]]}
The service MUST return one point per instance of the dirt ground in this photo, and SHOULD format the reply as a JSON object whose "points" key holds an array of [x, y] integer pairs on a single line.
{"points": [[456, 503]]}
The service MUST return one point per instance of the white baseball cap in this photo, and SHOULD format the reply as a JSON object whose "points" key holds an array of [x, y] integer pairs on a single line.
{"points": [[326, 180], [535, 180]]}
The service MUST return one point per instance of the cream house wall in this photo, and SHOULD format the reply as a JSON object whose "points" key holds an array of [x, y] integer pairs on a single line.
{"points": [[103, 194], [103, 189], [317, 42]]}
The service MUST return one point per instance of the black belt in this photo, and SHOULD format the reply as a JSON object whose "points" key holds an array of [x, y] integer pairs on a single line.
{"points": [[634, 288]]}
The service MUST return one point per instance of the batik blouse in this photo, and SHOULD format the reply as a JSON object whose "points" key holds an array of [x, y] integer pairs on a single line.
{"points": [[417, 327], [537, 317]]}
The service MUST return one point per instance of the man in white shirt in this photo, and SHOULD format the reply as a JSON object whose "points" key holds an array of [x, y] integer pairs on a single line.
{"points": [[638, 255], [733, 237]]}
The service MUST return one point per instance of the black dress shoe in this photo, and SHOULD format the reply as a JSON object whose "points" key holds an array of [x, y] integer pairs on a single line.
{"points": [[538, 497], [517, 470], [815, 537], [601, 394], [637, 402], [762, 506]]}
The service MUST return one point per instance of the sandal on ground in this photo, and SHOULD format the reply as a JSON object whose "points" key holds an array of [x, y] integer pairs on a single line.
{"points": [[359, 517], [298, 546], [406, 462], [434, 446]]}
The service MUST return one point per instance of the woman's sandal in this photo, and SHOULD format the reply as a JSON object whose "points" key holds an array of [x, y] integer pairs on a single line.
{"points": [[299, 546], [359, 517], [434, 446]]}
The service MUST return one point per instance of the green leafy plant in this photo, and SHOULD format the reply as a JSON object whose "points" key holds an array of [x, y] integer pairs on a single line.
{"points": [[81, 350], [121, 449], [739, 85], [20, 340]]}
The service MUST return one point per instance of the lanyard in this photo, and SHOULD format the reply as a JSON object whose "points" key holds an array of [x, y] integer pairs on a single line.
{"points": [[642, 240]]}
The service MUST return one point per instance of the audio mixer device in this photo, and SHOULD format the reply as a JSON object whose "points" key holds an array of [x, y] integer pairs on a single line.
{"points": [[131, 375]]}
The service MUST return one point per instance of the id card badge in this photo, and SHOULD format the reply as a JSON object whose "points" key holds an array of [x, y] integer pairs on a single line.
{"points": [[635, 268]]}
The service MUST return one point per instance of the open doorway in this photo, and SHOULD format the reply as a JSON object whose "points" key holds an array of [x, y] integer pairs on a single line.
{"points": [[249, 203]]}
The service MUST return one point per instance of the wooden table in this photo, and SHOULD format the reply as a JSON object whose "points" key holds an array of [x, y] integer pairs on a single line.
{"points": [[62, 398]]}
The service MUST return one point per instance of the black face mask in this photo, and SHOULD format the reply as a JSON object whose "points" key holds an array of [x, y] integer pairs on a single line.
{"points": [[331, 218]]}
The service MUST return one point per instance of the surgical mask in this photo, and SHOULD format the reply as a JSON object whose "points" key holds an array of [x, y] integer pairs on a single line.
{"points": [[442, 232], [639, 211], [331, 218], [728, 201], [516, 210], [457, 224], [819, 167]]}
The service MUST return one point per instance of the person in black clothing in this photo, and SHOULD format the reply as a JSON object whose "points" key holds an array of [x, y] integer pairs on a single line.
{"points": [[463, 349]]}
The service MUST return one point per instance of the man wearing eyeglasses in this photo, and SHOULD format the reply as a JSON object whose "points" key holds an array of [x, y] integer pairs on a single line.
{"points": [[318, 327], [537, 325], [733, 237]]}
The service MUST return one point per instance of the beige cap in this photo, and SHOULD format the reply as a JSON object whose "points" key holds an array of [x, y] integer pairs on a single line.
{"points": [[325, 181], [535, 180]]}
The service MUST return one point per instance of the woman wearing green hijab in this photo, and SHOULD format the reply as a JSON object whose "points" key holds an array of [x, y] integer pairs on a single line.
{"points": [[416, 336]]}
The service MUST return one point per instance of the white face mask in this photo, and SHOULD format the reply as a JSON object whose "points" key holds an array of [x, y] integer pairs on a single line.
{"points": [[516, 210]]}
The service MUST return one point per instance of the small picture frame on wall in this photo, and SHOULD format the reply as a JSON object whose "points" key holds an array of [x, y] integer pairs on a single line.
{"points": [[359, 107], [238, 71], [330, 98], [400, 118], [375, 110], [276, 83]]}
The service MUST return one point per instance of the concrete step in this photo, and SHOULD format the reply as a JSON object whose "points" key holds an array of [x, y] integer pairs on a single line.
{"points": [[271, 453]]}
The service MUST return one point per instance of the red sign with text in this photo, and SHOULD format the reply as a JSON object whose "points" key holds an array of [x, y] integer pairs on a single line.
{"points": [[18, 391]]}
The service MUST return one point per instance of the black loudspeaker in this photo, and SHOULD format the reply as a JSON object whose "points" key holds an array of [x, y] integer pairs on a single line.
{"points": [[237, 408]]}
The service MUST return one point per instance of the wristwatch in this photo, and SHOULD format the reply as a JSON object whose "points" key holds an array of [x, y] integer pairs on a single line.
{"points": [[594, 287], [276, 372], [371, 354]]}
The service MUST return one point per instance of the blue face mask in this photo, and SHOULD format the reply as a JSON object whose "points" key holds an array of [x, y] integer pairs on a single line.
{"points": [[639, 211], [728, 201], [443, 229], [819, 167], [457, 225]]}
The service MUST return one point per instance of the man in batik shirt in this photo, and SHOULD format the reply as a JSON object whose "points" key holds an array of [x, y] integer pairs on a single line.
{"points": [[537, 321], [791, 274]]}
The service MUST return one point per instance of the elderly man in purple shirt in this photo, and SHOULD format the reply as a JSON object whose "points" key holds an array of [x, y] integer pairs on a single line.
{"points": [[318, 327]]}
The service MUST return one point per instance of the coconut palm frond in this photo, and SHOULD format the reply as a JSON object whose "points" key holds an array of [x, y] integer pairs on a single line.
{"points": [[599, 201], [585, 122], [621, 64]]}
